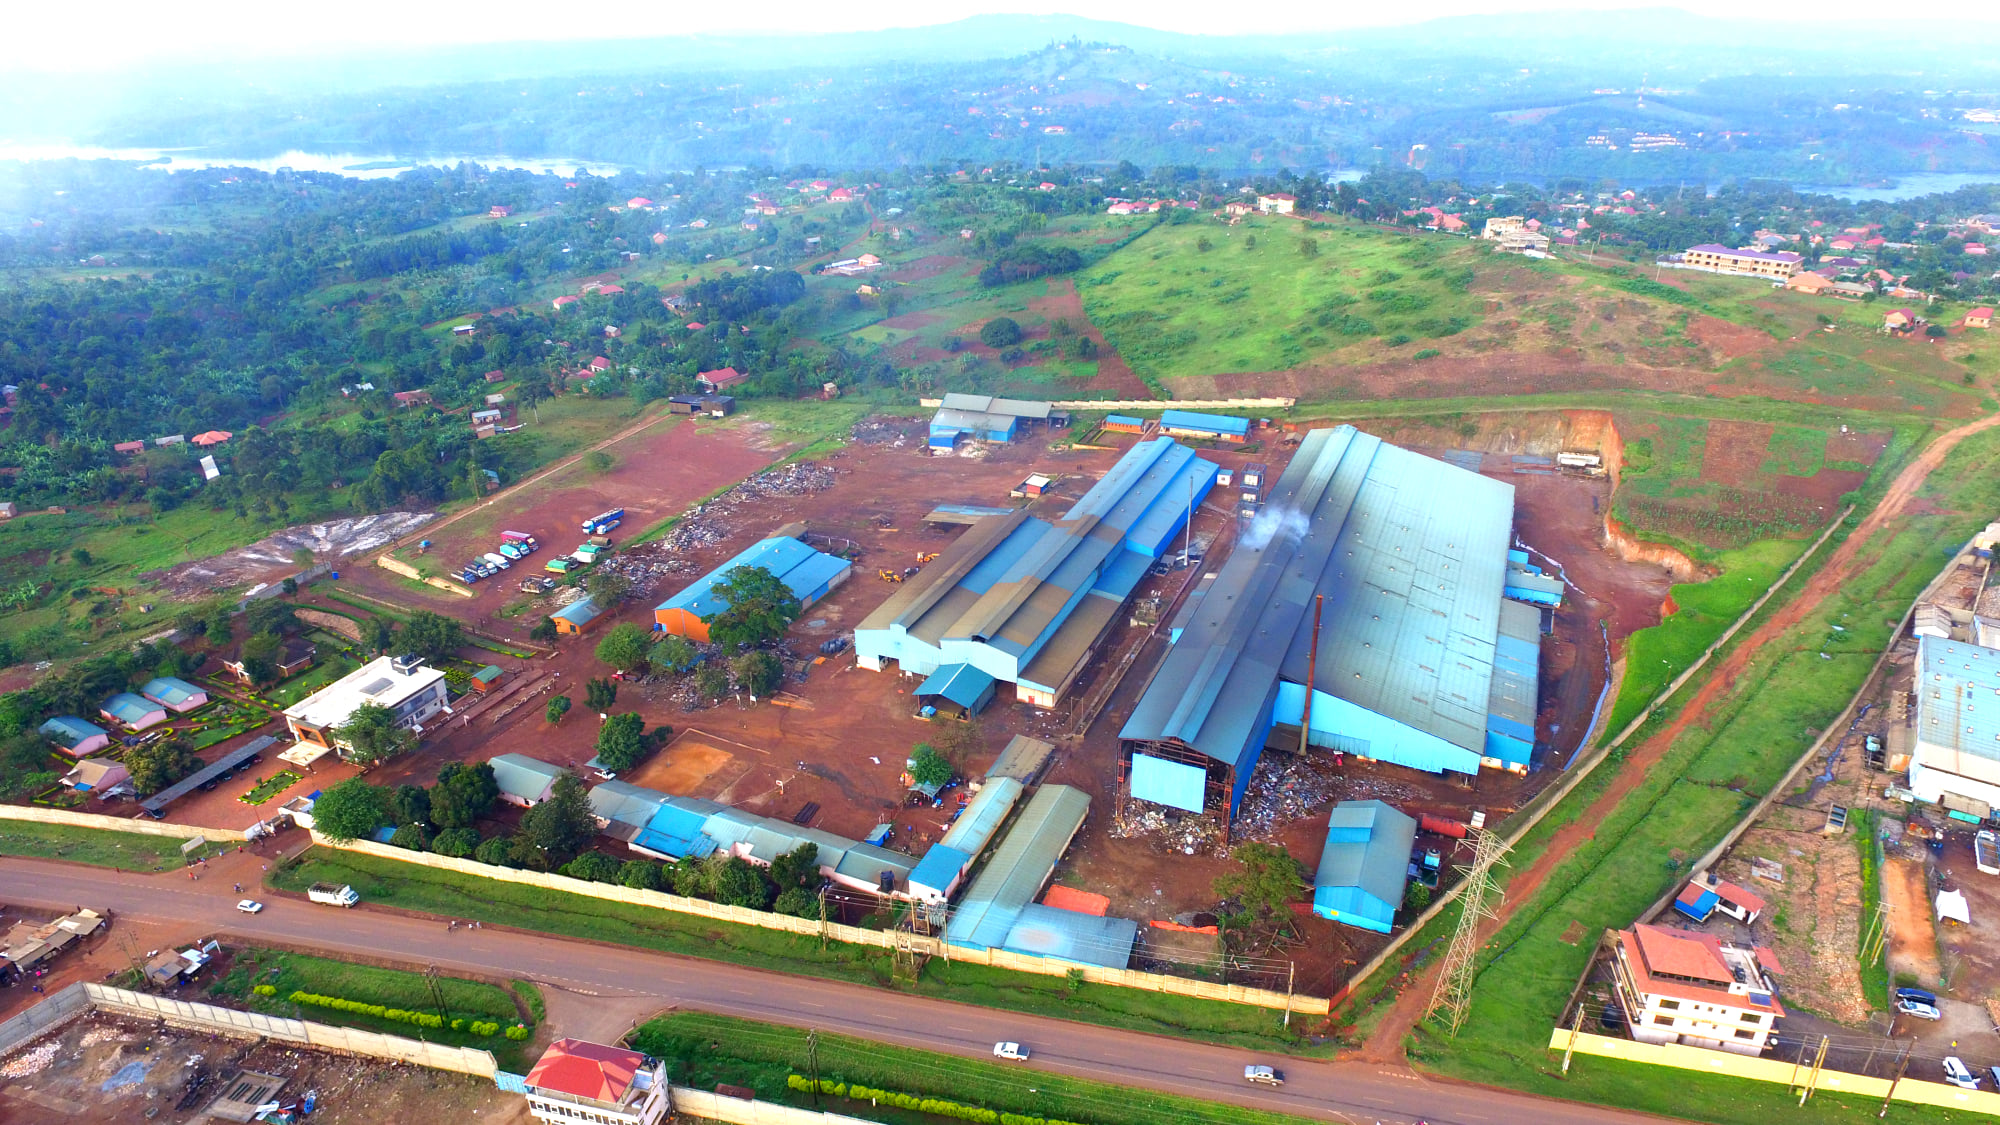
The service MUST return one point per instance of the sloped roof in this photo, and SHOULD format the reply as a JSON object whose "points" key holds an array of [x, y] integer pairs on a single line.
{"points": [[624, 802], [68, 730], [1682, 954], [801, 568], [580, 612], [1367, 847], [983, 815], [170, 690], [1021, 864], [988, 404], [129, 708], [587, 1070], [521, 776], [961, 684], [1954, 681]]}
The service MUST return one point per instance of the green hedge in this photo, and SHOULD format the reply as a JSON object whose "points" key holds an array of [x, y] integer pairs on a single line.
{"points": [[937, 1107], [378, 1011]]}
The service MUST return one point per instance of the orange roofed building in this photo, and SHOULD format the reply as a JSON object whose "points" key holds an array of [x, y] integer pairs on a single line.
{"points": [[577, 1082], [1682, 986]]}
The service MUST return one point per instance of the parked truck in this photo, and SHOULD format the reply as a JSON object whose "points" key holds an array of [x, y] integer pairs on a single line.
{"points": [[604, 521], [1986, 851], [332, 894]]}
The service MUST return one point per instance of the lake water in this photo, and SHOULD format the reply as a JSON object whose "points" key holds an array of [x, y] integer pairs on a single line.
{"points": [[360, 166]]}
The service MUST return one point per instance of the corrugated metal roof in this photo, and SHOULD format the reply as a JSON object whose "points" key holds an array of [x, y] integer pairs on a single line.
{"points": [[129, 708], [1204, 423], [962, 684], [982, 816], [988, 404], [676, 829], [524, 777], [626, 803], [1020, 759], [170, 690], [579, 612], [1954, 680], [940, 865], [1088, 939], [68, 730], [1367, 850], [1021, 864], [1410, 554], [802, 570]]}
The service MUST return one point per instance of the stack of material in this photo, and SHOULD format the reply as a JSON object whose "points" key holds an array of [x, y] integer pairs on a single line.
{"points": [[1175, 832], [702, 525], [1284, 790]]}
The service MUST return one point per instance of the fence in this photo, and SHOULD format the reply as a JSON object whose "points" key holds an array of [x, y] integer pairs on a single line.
{"points": [[1757, 1069], [1531, 814], [135, 825], [86, 996], [690, 1102], [1157, 403], [395, 565], [852, 935]]}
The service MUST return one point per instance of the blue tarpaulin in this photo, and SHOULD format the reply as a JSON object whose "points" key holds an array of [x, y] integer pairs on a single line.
{"points": [[1173, 784]]}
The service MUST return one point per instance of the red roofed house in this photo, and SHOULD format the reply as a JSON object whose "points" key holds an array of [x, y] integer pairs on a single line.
{"points": [[499, 211], [1902, 320], [610, 290], [565, 301], [576, 1081], [600, 363], [1979, 318], [841, 195], [659, 238], [695, 326], [496, 376], [130, 447], [1678, 986], [638, 201], [212, 437], [412, 398], [713, 381], [1707, 893]]}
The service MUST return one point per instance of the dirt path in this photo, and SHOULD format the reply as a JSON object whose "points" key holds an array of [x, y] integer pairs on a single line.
{"points": [[1913, 946], [1386, 1044]]}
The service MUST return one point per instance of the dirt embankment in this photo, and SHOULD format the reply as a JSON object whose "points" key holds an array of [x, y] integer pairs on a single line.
{"points": [[1633, 549]]}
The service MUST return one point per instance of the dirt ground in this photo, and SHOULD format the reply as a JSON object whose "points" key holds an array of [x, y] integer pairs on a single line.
{"points": [[1912, 927], [105, 1068], [656, 473], [270, 558], [1814, 918]]}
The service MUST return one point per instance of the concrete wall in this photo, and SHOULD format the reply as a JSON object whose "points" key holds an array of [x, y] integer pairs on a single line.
{"points": [[60, 1008], [690, 1102], [397, 566], [853, 935], [1911, 1090], [142, 826], [1157, 404]]}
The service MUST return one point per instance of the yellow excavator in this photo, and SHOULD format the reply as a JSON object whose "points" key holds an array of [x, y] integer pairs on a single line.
{"points": [[888, 576]]}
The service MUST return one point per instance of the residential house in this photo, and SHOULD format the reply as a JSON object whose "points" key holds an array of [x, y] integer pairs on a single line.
{"points": [[720, 379], [412, 398], [1981, 317], [75, 737], [1499, 226], [599, 364], [99, 777], [487, 679], [842, 195], [496, 376], [612, 332], [133, 712], [1691, 988], [1809, 283], [1849, 290], [499, 211], [1715, 258], [1236, 208], [698, 224], [576, 617], [130, 447], [175, 694], [524, 781], [1900, 321], [412, 691], [637, 201], [464, 329], [1706, 893], [7, 510], [295, 655], [565, 301], [1276, 204], [576, 1082]]}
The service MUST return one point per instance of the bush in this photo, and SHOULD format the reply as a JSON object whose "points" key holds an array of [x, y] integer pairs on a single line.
{"points": [[517, 1033], [411, 836], [498, 851], [1000, 332], [265, 990], [458, 843], [377, 1011], [484, 1027]]}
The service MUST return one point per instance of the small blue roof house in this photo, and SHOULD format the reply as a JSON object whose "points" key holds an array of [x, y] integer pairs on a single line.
{"points": [[132, 711], [77, 737], [1365, 866], [174, 693]]}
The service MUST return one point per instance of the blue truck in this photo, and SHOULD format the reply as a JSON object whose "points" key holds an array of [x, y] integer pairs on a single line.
{"points": [[604, 521]]}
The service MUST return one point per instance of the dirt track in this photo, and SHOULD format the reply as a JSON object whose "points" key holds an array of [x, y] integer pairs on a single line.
{"points": [[1842, 567]]}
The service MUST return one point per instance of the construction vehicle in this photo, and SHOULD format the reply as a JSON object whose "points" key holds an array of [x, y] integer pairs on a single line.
{"points": [[888, 575], [925, 556]]}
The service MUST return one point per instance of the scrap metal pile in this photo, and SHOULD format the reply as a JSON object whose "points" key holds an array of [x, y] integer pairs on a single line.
{"points": [[706, 525], [1181, 832], [1285, 789]]}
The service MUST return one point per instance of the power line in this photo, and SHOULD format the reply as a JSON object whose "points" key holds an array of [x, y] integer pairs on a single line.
{"points": [[1453, 995]]}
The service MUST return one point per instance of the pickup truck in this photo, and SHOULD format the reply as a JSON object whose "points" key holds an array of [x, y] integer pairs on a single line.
{"points": [[332, 894]]}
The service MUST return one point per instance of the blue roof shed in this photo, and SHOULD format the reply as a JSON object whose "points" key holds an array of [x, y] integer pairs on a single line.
{"points": [[133, 711], [1365, 866], [78, 736], [1189, 423], [957, 685], [809, 574]]}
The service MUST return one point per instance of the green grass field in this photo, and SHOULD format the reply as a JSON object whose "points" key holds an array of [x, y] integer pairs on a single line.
{"points": [[394, 988], [1252, 301], [1765, 720], [129, 851], [410, 887], [703, 1050]]}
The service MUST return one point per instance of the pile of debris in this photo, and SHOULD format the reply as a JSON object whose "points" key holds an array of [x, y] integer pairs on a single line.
{"points": [[701, 526], [1353, 788], [644, 571], [1181, 832], [1284, 790], [895, 433]]}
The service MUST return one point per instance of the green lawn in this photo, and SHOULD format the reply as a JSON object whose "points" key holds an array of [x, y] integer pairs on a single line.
{"points": [[461, 896], [298, 972], [129, 851], [331, 666], [1764, 721], [703, 1050]]}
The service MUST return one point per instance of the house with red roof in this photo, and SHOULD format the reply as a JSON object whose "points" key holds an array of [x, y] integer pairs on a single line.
{"points": [[130, 447], [599, 363], [499, 211], [637, 202], [496, 376], [1902, 320], [842, 195], [610, 290], [1981, 317], [1680, 986], [713, 381], [211, 438], [577, 1081], [565, 301], [1708, 893], [412, 398]]}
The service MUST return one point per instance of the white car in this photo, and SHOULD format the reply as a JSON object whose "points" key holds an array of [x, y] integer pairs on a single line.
{"points": [[1918, 1009], [1010, 1051], [250, 906], [1956, 1073]]}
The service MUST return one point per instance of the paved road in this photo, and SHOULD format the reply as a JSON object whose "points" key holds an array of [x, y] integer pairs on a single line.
{"points": [[1340, 1091]]}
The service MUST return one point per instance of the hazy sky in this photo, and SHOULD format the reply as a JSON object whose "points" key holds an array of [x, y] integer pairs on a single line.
{"points": [[112, 33]]}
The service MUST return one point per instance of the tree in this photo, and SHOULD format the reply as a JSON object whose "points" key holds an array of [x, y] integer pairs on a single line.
{"points": [[80, 556], [161, 763], [559, 827], [621, 741], [760, 608], [711, 680], [558, 707], [640, 875], [1000, 332], [959, 741], [1416, 896], [270, 616], [607, 588], [759, 673], [599, 695], [371, 734], [796, 868], [735, 881], [411, 836], [625, 647], [797, 902], [459, 843], [928, 767], [597, 461], [1266, 884], [219, 626], [595, 867], [1308, 247], [432, 636], [462, 794], [377, 634], [260, 658], [499, 851], [544, 630], [688, 879], [410, 804], [672, 655], [350, 810]]}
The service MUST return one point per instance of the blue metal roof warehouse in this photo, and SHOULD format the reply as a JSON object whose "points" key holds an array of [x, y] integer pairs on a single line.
{"points": [[1411, 556], [1026, 600], [809, 574], [1213, 427], [1365, 866]]}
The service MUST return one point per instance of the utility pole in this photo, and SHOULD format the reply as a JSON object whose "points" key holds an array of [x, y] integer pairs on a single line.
{"points": [[1291, 973], [1901, 1066], [436, 993], [1812, 1079], [1575, 1028], [1312, 680], [812, 1061], [1187, 538], [822, 919]]}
